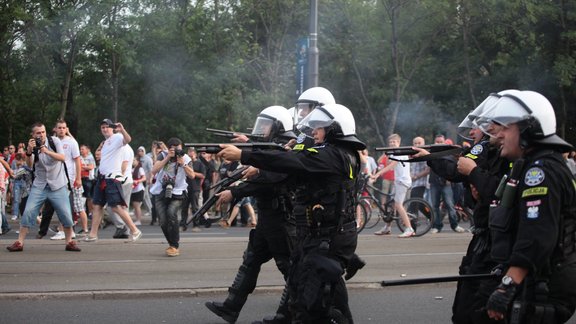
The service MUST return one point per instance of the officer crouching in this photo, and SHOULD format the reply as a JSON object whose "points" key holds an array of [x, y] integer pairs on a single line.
{"points": [[533, 224]]}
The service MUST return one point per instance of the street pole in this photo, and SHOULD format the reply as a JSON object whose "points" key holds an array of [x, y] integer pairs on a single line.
{"points": [[313, 52]]}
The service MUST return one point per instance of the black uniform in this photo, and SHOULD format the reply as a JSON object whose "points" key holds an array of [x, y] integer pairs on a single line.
{"points": [[534, 227], [270, 239], [471, 296], [324, 213]]}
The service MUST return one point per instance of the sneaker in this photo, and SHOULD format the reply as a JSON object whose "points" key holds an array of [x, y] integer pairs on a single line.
{"points": [[15, 247], [434, 231], [72, 246], [83, 233], [459, 229], [58, 236], [409, 232], [138, 223], [121, 233], [222, 311], [384, 231], [172, 252], [135, 237], [89, 238], [14, 217]]}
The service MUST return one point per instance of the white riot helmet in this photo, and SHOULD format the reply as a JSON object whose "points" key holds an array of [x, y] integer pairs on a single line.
{"points": [[472, 121], [532, 112], [273, 123], [338, 122], [312, 98]]}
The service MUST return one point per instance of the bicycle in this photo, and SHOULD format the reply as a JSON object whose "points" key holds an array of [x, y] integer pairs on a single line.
{"points": [[371, 211]]}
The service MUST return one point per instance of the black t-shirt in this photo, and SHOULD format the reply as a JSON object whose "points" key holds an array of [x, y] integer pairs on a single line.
{"points": [[226, 168], [196, 183]]}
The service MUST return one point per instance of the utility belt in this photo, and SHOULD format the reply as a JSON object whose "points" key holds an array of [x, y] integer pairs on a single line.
{"points": [[331, 230], [273, 204]]}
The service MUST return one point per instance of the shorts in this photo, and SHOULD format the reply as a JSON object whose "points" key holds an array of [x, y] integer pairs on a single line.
{"points": [[88, 186], [108, 191], [78, 201], [400, 192], [244, 201], [137, 196]]}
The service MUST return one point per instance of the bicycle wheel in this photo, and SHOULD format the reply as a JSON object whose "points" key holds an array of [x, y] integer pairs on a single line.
{"points": [[372, 211], [420, 214], [362, 214]]}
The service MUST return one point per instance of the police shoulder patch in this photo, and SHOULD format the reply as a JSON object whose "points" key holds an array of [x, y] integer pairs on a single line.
{"points": [[477, 149], [301, 138], [536, 191], [534, 176]]}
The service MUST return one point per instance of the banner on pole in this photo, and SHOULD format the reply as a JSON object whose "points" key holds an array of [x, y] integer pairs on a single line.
{"points": [[301, 65]]}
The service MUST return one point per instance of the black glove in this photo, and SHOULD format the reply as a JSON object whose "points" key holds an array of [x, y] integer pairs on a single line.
{"points": [[502, 298]]}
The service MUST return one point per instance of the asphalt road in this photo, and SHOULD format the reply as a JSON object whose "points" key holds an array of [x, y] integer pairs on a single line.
{"points": [[417, 304], [113, 281]]}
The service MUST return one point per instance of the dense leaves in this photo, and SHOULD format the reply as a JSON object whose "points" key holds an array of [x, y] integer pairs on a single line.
{"points": [[173, 68]]}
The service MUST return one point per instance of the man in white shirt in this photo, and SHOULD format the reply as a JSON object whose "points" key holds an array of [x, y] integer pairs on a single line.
{"points": [[110, 178], [402, 182], [170, 189], [50, 184], [127, 158], [73, 166]]}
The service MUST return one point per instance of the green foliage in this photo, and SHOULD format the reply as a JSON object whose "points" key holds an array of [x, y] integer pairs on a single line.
{"points": [[173, 68]]}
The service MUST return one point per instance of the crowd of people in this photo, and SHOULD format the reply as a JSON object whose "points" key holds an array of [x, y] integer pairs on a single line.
{"points": [[515, 175]]}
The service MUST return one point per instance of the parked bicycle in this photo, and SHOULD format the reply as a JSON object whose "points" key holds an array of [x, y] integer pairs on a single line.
{"points": [[370, 210]]}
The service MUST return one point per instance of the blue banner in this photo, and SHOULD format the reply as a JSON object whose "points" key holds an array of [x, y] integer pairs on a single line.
{"points": [[301, 65]]}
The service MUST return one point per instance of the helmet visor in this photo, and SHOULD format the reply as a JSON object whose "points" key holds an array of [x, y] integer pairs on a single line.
{"points": [[263, 126], [464, 128], [318, 118], [304, 108]]}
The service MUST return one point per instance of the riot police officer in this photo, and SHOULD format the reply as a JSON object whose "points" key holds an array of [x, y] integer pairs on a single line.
{"points": [[480, 168], [271, 237], [324, 211], [533, 222], [306, 103]]}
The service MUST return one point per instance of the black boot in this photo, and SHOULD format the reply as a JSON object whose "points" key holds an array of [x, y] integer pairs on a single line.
{"points": [[354, 265], [223, 311]]}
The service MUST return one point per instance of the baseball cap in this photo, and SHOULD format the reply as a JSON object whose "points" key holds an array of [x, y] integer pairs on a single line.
{"points": [[108, 122]]}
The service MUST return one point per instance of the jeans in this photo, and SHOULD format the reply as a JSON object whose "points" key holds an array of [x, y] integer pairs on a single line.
{"points": [[445, 193], [16, 196], [60, 200], [191, 201], [168, 210]]}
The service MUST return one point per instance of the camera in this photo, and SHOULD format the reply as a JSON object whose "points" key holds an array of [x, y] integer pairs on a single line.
{"points": [[38, 141], [168, 188], [179, 152]]}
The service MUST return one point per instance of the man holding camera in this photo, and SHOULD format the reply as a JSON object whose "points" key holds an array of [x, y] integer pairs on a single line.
{"points": [[50, 183], [108, 187], [170, 189]]}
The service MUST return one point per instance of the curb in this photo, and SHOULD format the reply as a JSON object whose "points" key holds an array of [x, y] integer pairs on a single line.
{"points": [[147, 293]]}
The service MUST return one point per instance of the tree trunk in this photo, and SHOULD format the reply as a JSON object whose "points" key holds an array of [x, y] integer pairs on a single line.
{"points": [[68, 77]]}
